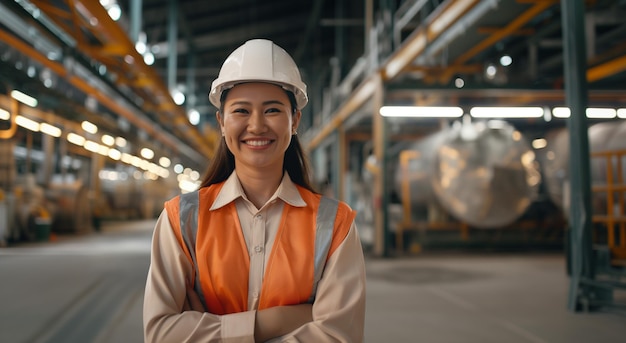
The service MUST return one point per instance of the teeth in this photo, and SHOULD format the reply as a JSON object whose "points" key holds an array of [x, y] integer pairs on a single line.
{"points": [[257, 143]]}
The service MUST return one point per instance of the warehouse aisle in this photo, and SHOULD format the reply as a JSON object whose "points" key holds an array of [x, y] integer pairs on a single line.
{"points": [[90, 289]]}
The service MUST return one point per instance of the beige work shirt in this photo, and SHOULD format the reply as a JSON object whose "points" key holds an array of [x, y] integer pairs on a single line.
{"points": [[338, 310]]}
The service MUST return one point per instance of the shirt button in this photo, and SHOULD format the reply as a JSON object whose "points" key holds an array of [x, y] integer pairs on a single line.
{"points": [[258, 248], [255, 294], [259, 217]]}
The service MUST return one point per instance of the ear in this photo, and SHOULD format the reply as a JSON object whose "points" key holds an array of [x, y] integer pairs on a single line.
{"points": [[220, 120], [296, 122]]}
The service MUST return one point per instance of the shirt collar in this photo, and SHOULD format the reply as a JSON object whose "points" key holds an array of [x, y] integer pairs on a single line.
{"points": [[232, 190]]}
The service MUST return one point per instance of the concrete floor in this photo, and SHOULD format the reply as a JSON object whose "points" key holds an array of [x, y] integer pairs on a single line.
{"points": [[90, 289]]}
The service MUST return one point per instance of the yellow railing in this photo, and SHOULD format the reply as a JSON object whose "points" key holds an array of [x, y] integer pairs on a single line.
{"points": [[614, 218]]}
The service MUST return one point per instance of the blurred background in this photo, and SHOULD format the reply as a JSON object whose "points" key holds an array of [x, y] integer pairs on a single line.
{"points": [[482, 143]]}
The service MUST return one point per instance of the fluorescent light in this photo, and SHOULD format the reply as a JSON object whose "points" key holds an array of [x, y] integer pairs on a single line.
{"points": [[164, 173], [50, 130], [127, 158], [621, 113], [24, 98], [108, 140], [4, 114], [147, 153], [92, 146], [120, 141], [592, 112], [103, 150], [136, 161], [506, 112], [165, 162], [148, 58], [75, 139], [601, 113], [27, 123], [89, 127], [144, 164], [540, 143], [561, 112], [115, 154], [421, 111]]}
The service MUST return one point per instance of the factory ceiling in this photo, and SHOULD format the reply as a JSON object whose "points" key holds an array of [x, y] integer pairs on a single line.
{"points": [[419, 48]]}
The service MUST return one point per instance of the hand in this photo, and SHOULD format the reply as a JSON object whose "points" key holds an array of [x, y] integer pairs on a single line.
{"points": [[281, 320]]}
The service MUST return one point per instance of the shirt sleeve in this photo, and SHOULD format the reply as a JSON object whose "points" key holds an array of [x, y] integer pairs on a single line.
{"points": [[166, 315], [339, 307]]}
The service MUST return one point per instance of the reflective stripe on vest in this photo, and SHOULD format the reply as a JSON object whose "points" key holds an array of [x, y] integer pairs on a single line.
{"points": [[325, 219], [189, 203]]}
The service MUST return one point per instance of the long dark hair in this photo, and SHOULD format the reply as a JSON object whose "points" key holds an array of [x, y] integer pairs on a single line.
{"points": [[295, 161]]}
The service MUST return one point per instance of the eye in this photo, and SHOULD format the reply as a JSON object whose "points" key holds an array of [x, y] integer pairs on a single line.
{"points": [[273, 110], [240, 110]]}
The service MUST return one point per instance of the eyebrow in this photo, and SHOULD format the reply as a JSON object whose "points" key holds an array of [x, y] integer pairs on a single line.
{"points": [[265, 103]]}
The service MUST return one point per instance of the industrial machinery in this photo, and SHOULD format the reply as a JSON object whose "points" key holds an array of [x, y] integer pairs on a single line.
{"points": [[554, 158], [608, 183], [483, 173]]}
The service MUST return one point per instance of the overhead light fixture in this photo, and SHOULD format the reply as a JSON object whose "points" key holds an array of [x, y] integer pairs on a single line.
{"points": [[91, 146], [540, 143], [89, 127], [108, 140], [115, 154], [4, 114], [165, 162], [50, 130], [24, 98], [127, 158], [120, 142], [27, 123], [178, 168], [75, 139], [621, 113], [148, 58], [194, 117], [103, 150], [147, 153], [601, 113], [421, 111], [506, 112], [592, 112], [178, 97], [506, 60]]}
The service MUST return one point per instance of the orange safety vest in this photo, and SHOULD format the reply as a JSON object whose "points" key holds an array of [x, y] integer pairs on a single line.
{"points": [[213, 242]]}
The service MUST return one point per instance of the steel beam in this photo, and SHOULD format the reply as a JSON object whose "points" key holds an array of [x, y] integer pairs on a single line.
{"points": [[580, 241]]}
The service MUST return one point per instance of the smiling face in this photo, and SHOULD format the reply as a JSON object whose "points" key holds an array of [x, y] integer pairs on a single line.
{"points": [[257, 125]]}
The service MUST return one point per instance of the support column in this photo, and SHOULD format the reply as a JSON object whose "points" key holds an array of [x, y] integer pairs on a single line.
{"points": [[49, 158], [580, 240], [135, 19], [381, 195], [172, 42]]}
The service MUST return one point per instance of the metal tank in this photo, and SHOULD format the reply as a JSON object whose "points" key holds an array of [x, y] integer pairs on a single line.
{"points": [[484, 173], [554, 158], [72, 210]]}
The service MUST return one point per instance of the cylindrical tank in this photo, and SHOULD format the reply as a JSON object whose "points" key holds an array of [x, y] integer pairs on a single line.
{"points": [[554, 158], [72, 212], [484, 173]]}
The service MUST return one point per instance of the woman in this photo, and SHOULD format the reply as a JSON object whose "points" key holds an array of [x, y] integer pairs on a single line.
{"points": [[255, 254]]}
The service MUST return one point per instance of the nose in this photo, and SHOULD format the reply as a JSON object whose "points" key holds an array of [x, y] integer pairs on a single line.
{"points": [[256, 122]]}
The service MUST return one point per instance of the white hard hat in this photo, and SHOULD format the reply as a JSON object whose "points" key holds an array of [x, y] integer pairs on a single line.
{"points": [[259, 60]]}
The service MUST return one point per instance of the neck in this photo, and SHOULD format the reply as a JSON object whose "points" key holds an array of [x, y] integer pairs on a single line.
{"points": [[259, 186]]}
